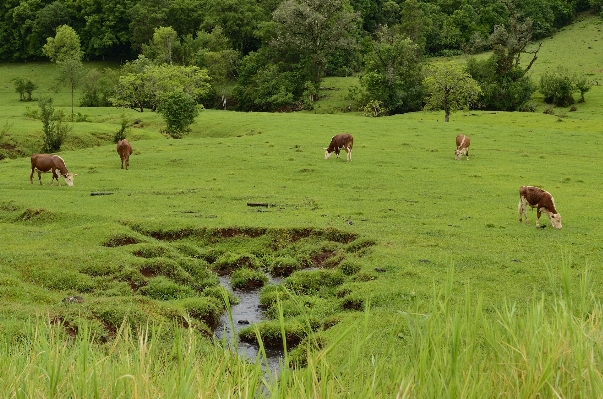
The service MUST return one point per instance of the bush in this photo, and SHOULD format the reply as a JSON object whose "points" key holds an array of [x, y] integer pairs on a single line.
{"points": [[123, 129], [248, 279], [557, 87], [24, 86], [179, 110], [55, 130]]}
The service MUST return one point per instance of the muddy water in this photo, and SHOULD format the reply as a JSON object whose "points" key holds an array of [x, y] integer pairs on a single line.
{"points": [[245, 313]]}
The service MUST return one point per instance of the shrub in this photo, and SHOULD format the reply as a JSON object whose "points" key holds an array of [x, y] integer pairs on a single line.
{"points": [[179, 110], [24, 86], [557, 87], [248, 279], [123, 129], [55, 130]]}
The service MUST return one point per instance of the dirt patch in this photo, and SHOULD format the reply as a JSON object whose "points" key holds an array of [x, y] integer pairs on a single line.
{"points": [[120, 241], [36, 214], [319, 259]]}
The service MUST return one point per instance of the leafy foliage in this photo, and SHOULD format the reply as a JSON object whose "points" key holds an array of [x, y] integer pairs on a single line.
{"points": [[145, 85], [53, 125], [179, 110], [392, 75], [24, 86], [558, 87], [449, 88]]}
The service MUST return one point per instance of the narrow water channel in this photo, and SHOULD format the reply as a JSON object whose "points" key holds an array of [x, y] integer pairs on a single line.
{"points": [[244, 314]]}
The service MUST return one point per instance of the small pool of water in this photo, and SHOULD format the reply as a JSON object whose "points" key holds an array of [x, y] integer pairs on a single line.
{"points": [[244, 314]]}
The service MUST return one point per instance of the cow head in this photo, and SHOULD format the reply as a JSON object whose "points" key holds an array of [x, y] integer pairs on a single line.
{"points": [[327, 153], [459, 153], [69, 178], [555, 220]]}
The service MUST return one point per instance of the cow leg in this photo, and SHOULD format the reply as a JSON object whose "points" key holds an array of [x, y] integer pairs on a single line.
{"points": [[467, 154], [31, 175], [40, 178], [538, 213], [348, 154]]}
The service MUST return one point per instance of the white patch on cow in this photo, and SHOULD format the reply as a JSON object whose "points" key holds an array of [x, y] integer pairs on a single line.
{"points": [[69, 179], [327, 153], [555, 220]]}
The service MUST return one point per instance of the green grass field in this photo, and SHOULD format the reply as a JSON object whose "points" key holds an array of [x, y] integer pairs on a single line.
{"points": [[421, 212]]}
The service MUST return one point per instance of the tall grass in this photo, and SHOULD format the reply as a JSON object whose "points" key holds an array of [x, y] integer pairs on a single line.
{"points": [[457, 349]]}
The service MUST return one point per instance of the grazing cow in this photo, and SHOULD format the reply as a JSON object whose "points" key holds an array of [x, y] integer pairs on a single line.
{"points": [[43, 163], [124, 149], [541, 200], [345, 141], [462, 146]]}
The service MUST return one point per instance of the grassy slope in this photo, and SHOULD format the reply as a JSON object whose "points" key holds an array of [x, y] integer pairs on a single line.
{"points": [[403, 189]]}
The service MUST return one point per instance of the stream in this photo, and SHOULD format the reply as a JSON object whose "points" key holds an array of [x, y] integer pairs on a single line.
{"points": [[245, 313]]}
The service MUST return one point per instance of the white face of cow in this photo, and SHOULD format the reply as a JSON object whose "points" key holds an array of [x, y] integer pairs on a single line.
{"points": [[457, 154], [327, 153], [555, 220], [69, 179]]}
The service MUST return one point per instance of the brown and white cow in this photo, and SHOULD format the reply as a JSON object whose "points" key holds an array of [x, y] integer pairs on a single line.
{"points": [[339, 141], [124, 149], [541, 200], [462, 146], [44, 163]]}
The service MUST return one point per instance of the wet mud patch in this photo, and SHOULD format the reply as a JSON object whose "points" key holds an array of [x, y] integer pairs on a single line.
{"points": [[304, 269]]}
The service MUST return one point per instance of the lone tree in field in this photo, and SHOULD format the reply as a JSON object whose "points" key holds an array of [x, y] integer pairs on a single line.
{"points": [[449, 88], [65, 50], [179, 110]]}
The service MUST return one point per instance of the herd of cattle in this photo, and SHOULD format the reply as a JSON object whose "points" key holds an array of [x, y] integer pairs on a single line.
{"points": [[528, 195]]}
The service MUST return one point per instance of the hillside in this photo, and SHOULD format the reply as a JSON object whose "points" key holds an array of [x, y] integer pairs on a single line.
{"points": [[394, 231]]}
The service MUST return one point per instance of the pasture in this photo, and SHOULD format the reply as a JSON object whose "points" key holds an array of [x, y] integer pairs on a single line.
{"points": [[435, 225]]}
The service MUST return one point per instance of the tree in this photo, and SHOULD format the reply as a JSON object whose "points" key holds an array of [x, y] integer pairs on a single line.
{"points": [[392, 74], [449, 88], [64, 45], [505, 83], [148, 87], [65, 50], [161, 47], [179, 110], [313, 30], [71, 74]]}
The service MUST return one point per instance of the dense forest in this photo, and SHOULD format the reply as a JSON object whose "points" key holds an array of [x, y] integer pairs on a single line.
{"points": [[269, 55]]}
